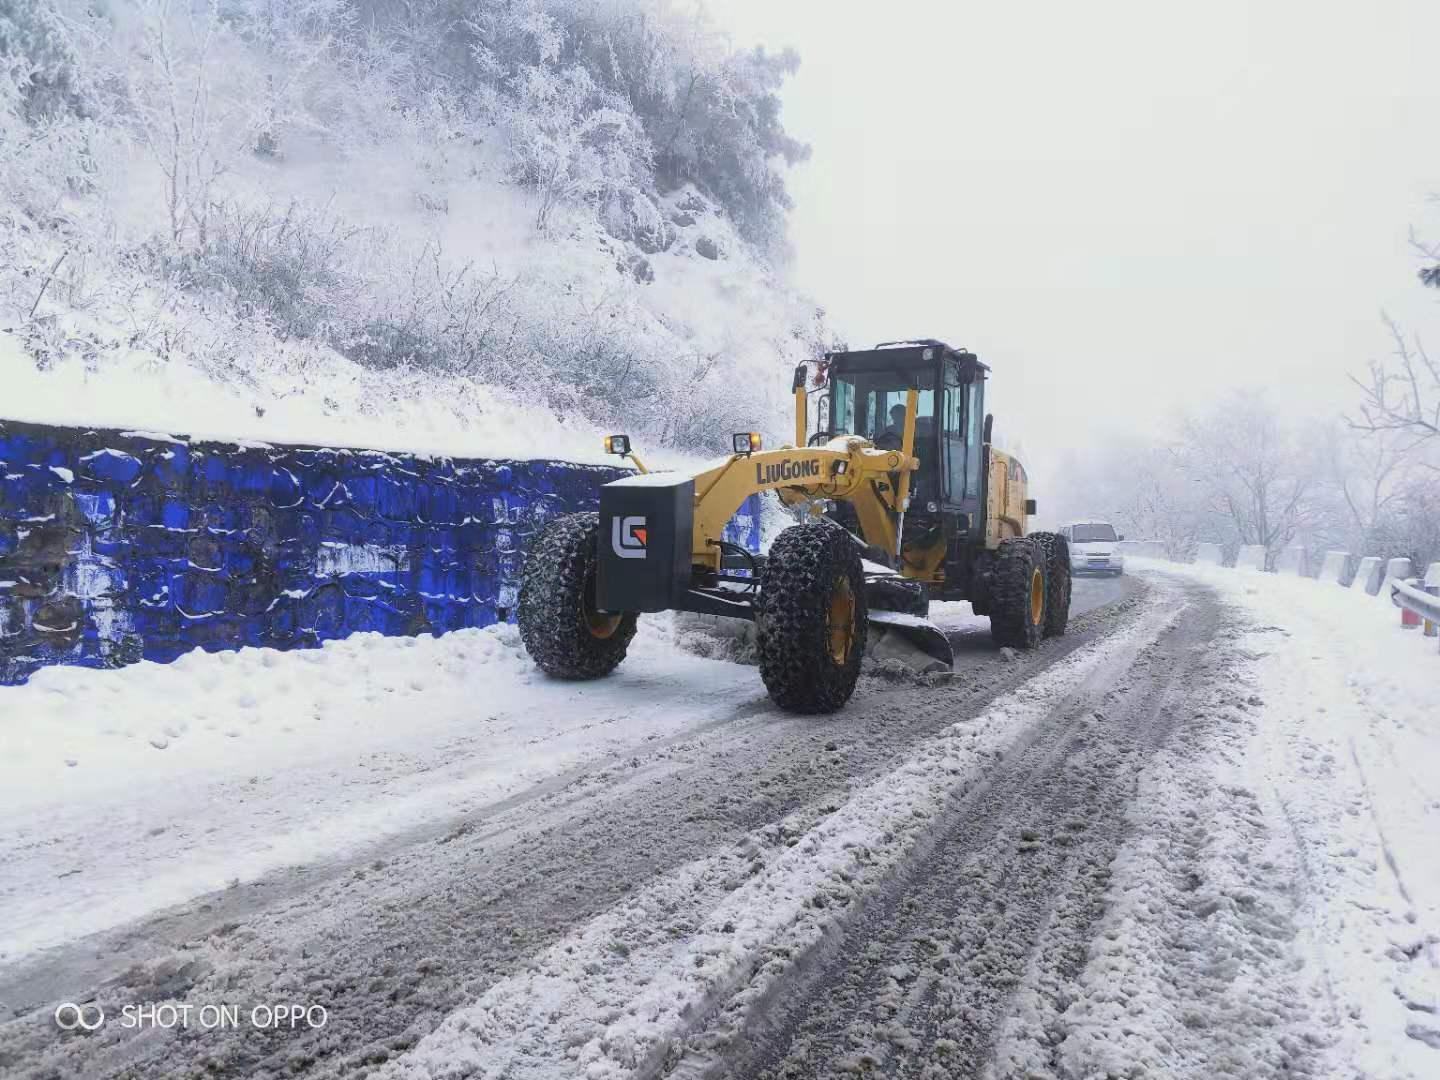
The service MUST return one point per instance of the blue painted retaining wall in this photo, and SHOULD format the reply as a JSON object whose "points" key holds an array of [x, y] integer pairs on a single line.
{"points": [[119, 546]]}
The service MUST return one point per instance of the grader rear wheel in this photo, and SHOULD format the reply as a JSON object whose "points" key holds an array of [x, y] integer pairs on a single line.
{"points": [[810, 618], [1056, 550], [1018, 595]]}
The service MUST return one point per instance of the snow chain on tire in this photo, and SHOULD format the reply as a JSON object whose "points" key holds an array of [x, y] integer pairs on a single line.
{"points": [[562, 630], [810, 618], [1057, 581], [1014, 621]]}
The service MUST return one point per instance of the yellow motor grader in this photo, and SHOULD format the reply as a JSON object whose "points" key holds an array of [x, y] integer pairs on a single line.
{"points": [[906, 501]]}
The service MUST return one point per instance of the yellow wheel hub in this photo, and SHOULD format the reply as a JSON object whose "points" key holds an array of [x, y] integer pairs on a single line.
{"points": [[842, 620], [1037, 596]]}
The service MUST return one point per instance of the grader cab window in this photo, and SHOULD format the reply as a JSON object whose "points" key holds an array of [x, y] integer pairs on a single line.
{"points": [[872, 404], [961, 439]]}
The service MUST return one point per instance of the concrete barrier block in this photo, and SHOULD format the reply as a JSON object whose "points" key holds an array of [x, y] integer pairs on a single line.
{"points": [[1291, 561], [1395, 570], [1141, 549], [1369, 575], [1432, 576], [1333, 569], [1250, 557], [1209, 555]]}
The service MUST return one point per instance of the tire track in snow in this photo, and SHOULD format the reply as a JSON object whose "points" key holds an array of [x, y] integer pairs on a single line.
{"points": [[670, 972], [1385, 849], [1193, 969], [1012, 878]]}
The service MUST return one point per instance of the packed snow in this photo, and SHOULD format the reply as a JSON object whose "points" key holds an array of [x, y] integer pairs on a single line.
{"points": [[609, 1000]]}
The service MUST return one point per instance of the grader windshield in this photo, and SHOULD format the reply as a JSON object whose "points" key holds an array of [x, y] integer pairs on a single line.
{"points": [[867, 397], [872, 404]]}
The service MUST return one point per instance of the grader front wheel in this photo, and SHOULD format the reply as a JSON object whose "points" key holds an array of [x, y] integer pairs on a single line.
{"points": [[810, 618], [563, 630], [1018, 595]]}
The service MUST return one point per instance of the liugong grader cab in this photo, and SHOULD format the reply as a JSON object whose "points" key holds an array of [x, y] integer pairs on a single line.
{"points": [[906, 501]]}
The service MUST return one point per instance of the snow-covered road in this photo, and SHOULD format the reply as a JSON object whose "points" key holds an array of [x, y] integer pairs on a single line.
{"points": [[1090, 859]]}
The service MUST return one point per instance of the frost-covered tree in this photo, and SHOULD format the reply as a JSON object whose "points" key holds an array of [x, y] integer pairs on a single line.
{"points": [[179, 112], [1237, 473], [39, 59], [47, 134], [708, 115], [569, 137], [298, 37], [571, 142], [1402, 393], [711, 112], [1258, 476]]}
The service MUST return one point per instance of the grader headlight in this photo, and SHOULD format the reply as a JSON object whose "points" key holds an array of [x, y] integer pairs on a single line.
{"points": [[617, 444], [745, 442]]}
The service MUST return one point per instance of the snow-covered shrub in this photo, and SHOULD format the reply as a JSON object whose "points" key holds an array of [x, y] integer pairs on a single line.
{"points": [[284, 266], [420, 310]]}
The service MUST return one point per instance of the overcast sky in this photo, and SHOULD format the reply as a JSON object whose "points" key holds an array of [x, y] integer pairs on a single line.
{"points": [[1123, 207]]}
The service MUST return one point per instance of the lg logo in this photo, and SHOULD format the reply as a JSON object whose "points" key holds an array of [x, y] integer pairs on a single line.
{"points": [[628, 537]]}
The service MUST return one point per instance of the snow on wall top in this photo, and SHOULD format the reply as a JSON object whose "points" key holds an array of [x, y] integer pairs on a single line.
{"points": [[339, 407]]}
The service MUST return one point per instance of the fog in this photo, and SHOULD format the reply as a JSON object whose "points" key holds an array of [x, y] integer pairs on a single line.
{"points": [[1125, 208]]}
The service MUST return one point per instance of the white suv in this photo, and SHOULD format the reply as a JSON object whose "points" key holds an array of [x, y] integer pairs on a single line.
{"points": [[1094, 548]]}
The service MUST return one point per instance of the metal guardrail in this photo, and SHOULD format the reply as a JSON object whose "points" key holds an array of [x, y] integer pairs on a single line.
{"points": [[1412, 598]]}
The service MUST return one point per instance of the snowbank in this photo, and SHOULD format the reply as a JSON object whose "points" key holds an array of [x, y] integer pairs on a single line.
{"points": [[155, 783], [324, 401], [1345, 761]]}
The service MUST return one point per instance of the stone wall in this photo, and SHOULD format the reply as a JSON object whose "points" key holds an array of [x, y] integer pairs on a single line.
{"points": [[122, 546]]}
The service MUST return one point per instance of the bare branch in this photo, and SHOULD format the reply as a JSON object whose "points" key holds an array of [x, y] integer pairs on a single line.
{"points": [[46, 284]]}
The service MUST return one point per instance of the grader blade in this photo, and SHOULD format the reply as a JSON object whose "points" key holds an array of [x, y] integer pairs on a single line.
{"points": [[918, 643]]}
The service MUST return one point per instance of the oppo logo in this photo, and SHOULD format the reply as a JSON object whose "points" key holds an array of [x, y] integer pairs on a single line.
{"points": [[69, 1016], [628, 537]]}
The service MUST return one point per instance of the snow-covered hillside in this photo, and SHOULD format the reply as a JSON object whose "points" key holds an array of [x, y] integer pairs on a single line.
{"points": [[487, 228]]}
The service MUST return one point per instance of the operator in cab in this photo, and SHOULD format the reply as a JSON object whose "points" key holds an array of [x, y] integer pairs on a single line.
{"points": [[893, 436]]}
